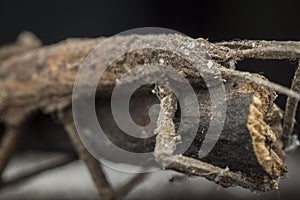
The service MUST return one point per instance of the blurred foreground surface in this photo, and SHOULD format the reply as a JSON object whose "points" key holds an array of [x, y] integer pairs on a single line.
{"points": [[72, 181]]}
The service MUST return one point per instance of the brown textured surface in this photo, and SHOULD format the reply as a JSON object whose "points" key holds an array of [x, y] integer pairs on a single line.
{"points": [[43, 79]]}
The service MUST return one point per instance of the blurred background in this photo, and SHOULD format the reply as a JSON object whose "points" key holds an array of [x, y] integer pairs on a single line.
{"points": [[53, 21]]}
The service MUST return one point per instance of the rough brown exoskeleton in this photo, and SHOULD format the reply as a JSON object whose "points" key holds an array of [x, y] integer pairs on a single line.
{"points": [[250, 151]]}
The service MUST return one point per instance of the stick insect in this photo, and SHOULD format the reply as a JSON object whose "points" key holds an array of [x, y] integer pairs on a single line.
{"points": [[41, 78]]}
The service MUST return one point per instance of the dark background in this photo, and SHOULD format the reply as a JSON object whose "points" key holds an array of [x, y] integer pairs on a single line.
{"points": [[53, 21], [56, 20]]}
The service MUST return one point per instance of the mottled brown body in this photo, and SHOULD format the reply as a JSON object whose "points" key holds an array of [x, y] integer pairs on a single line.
{"points": [[249, 152]]}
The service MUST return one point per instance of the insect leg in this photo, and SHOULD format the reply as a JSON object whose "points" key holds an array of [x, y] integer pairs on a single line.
{"points": [[260, 49], [55, 163], [127, 187], [290, 111], [11, 137], [104, 188], [94, 166], [261, 81], [8, 145]]}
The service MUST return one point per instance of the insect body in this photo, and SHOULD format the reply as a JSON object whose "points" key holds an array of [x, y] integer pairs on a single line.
{"points": [[43, 79]]}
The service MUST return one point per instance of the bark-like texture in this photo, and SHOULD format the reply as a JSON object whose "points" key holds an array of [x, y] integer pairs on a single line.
{"points": [[247, 144], [250, 144]]}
